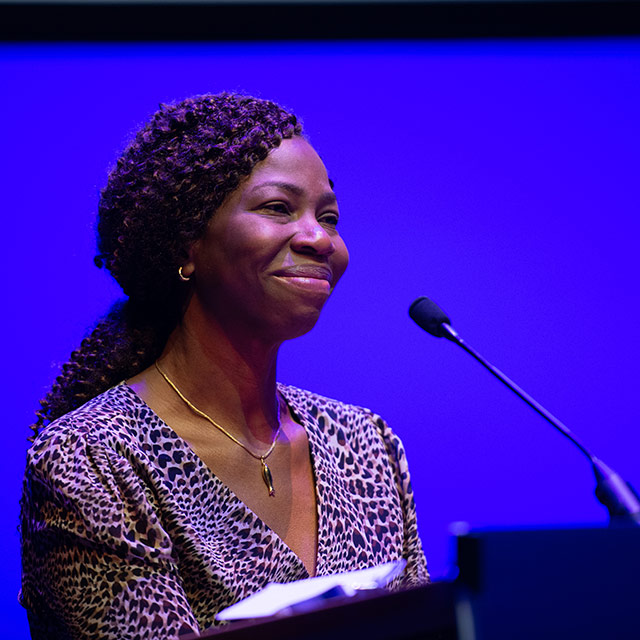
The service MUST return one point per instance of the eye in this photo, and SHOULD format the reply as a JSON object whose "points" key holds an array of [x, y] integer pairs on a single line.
{"points": [[277, 207], [330, 219]]}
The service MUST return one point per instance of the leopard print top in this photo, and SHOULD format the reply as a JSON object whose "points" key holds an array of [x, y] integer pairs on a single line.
{"points": [[127, 534]]}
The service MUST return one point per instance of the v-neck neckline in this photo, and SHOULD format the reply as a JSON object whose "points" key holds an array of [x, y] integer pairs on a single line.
{"points": [[295, 412]]}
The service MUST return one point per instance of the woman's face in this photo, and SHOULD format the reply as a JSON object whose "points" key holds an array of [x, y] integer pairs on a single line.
{"points": [[271, 254]]}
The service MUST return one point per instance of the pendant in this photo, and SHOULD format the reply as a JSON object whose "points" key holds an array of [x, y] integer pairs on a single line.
{"points": [[267, 477]]}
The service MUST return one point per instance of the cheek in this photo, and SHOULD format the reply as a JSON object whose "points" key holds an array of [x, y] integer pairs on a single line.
{"points": [[341, 259], [248, 242]]}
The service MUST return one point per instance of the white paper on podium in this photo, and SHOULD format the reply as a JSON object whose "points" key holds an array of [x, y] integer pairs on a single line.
{"points": [[275, 596]]}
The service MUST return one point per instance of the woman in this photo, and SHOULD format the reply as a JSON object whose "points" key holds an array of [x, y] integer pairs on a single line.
{"points": [[151, 504]]}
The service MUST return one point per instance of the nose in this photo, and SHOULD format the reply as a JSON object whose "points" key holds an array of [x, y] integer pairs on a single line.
{"points": [[311, 237]]}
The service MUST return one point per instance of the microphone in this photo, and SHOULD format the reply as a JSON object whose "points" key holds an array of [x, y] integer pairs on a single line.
{"points": [[611, 490], [429, 316]]}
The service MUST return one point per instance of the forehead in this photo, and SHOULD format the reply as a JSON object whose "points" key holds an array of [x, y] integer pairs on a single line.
{"points": [[294, 158]]}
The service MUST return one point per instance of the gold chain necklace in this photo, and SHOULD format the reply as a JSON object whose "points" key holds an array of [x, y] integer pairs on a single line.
{"points": [[266, 472]]}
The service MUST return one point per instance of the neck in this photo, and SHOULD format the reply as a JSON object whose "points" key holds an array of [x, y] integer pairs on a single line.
{"points": [[229, 378]]}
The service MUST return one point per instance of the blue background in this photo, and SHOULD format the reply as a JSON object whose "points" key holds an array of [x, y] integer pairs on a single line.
{"points": [[499, 178]]}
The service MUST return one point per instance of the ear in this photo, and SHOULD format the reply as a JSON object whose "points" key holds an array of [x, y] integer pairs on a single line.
{"points": [[189, 264], [188, 269]]}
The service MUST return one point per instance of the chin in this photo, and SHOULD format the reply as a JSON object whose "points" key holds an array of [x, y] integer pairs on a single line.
{"points": [[300, 324]]}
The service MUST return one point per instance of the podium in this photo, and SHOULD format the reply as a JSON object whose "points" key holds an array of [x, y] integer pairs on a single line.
{"points": [[549, 584], [543, 584], [423, 612]]}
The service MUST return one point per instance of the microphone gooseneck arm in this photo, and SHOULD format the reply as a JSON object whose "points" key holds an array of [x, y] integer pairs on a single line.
{"points": [[451, 334], [611, 490]]}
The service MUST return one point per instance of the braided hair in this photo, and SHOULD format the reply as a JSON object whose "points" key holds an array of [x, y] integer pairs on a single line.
{"points": [[158, 200]]}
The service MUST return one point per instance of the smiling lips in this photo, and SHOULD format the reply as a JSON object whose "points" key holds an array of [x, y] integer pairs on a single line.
{"points": [[310, 277]]}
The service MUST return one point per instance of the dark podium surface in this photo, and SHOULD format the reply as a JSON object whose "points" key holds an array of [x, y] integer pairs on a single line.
{"points": [[548, 584], [517, 584], [424, 612]]}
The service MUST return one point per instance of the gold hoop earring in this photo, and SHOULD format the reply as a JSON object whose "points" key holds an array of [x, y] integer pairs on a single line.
{"points": [[182, 277]]}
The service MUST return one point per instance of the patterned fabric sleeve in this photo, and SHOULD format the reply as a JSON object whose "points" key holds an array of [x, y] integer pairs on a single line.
{"points": [[416, 572], [96, 561]]}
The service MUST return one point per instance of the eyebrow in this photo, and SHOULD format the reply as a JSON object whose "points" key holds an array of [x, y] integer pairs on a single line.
{"points": [[326, 198]]}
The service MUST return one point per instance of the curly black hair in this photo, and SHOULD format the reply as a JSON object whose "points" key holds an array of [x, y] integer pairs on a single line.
{"points": [[159, 197]]}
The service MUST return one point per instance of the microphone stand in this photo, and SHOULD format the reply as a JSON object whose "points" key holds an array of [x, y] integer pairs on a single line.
{"points": [[611, 490]]}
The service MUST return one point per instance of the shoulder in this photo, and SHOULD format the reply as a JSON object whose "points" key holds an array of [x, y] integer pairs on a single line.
{"points": [[342, 418], [115, 419], [315, 403]]}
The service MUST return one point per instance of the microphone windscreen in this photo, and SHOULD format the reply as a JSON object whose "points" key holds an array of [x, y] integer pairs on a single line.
{"points": [[429, 316]]}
